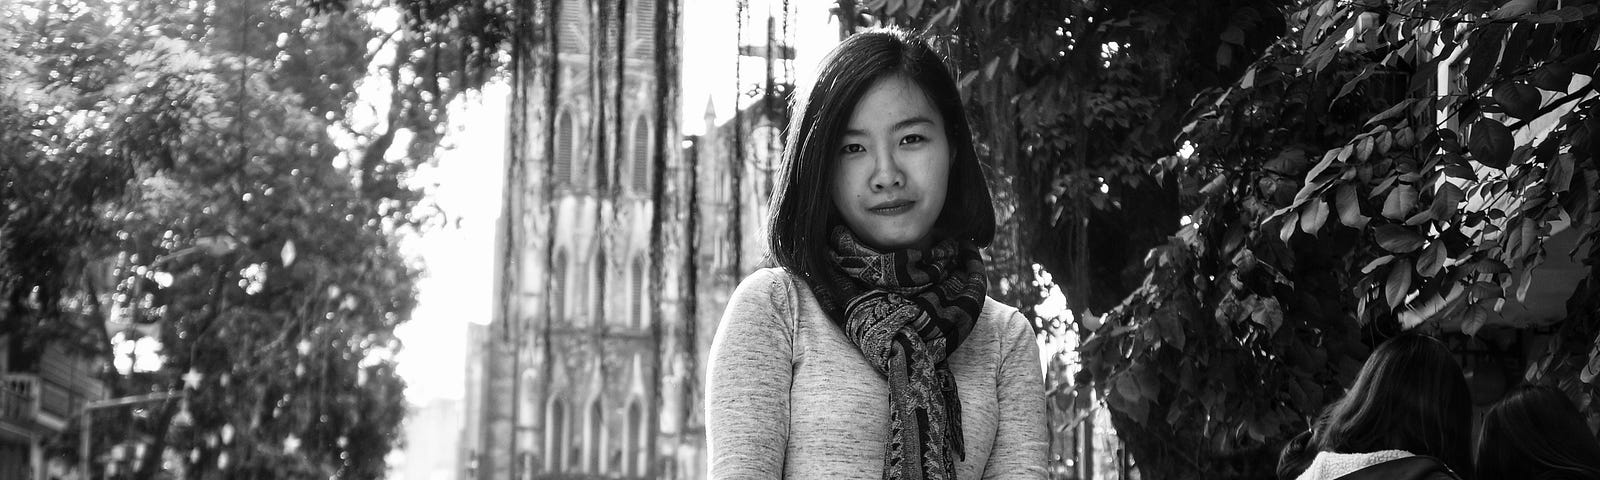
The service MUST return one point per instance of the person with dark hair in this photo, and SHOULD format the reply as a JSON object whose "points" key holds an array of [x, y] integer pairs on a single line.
{"points": [[1407, 416], [1295, 456], [1536, 433], [873, 350]]}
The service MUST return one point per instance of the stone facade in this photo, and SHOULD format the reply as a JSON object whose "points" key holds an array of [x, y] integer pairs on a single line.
{"points": [[616, 254]]}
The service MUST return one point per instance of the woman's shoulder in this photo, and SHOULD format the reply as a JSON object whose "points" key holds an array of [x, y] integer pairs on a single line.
{"points": [[1007, 320], [998, 311], [766, 288]]}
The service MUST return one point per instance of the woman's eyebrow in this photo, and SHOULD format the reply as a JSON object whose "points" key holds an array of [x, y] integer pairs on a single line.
{"points": [[900, 125]]}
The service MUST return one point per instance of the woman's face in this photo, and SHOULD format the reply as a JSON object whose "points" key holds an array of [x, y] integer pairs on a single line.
{"points": [[892, 166]]}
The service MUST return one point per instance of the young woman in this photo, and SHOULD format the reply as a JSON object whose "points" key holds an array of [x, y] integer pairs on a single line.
{"points": [[1408, 416], [1536, 433], [873, 352]]}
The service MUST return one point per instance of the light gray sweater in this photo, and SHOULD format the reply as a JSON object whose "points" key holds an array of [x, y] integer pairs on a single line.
{"points": [[789, 396]]}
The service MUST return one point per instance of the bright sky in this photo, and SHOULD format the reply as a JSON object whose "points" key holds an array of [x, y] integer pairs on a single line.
{"points": [[457, 287]]}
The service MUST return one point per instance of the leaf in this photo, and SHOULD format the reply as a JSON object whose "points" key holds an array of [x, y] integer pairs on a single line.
{"points": [[967, 78], [1446, 201], [1398, 239], [1392, 112], [1313, 215], [1583, 63], [1377, 262], [1267, 313], [1431, 259], [1398, 284], [1173, 333], [1513, 8], [1351, 85], [1592, 368], [1473, 320], [1578, 198], [1350, 207], [1405, 137], [1559, 175], [1459, 170], [1419, 218], [1512, 56], [1488, 41], [1432, 306], [1553, 76], [1216, 185], [1233, 35], [1290, 222], [1491, 143], [1128, 387], [1519, 99], [1487, 266], [1364, 148], [1524, 279], [1400, 201], [1327, 161], [1289, 162], [287, 253]]}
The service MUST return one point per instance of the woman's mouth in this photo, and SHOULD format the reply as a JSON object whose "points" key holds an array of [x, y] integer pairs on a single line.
{"points": [[892, 207]]}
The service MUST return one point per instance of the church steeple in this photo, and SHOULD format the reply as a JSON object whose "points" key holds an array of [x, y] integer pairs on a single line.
{"points": [[710, 116]]}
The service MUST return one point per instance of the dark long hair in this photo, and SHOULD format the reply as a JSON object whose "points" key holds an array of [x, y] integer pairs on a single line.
{"points": [[1296, 456], [803, 210], [1410, 395], [1536, 433]]}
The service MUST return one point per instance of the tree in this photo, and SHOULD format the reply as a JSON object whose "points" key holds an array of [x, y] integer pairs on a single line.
{"points": [[200, 168], [1383, 165], [1076, 105], [1349, 189]]}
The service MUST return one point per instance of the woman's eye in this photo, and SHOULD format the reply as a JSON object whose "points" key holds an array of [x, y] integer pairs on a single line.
{"points": [[853, 148], [912, 139]]}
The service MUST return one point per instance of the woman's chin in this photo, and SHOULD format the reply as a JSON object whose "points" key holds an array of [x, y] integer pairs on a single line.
{"points": [[896, 240]]}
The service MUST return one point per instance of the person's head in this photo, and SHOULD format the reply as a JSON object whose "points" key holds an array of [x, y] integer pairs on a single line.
{"points": [[1536, 433], [1295, 456], [879, 143], [1410, 395]]}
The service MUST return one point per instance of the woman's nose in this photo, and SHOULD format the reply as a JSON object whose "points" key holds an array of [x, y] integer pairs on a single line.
{"points": [[886, 172]]}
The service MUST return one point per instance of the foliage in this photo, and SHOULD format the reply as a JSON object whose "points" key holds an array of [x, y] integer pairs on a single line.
{"points": [[1383, 165], [1077, 105], [1074, 102], [1347, 188], [201, 173]]}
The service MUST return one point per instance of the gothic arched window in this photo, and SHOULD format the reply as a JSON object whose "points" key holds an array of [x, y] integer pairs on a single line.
{"points": [[593, 304], [636, 456], [555, 436], [558, 286], [641, 156], [638, 306], [565, 145], [642, 34], [571, 36], [594, 436]]}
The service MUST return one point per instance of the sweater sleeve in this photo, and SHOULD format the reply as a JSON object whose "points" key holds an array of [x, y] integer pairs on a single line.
{"points": [[1020, 441], [749, 372]]}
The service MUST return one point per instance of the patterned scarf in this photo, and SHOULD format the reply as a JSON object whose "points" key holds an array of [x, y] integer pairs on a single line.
{"points": [[907, 310]]}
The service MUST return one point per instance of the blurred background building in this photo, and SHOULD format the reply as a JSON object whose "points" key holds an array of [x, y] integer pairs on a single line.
{"points": [[620, 242]]}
